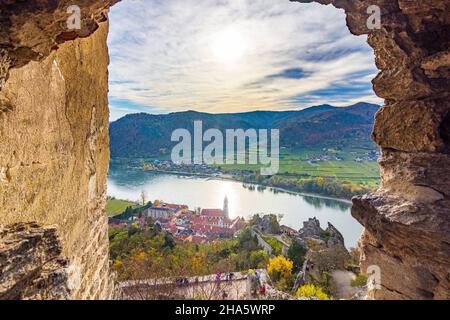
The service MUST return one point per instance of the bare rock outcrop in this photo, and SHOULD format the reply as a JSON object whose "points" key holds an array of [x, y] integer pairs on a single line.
{"points": [[267, 223], [407, 233], [325, 252], [31, 30], [312, 231], [54, 142], [408, 240], [31, 264]]}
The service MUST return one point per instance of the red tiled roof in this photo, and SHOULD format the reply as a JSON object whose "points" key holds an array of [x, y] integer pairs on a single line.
{"points": [[173, 229], [202, 227], [237, 223], [213, 212]]}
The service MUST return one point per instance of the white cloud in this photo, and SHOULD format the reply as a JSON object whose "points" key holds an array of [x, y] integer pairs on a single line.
{"points": [[164, 54]]}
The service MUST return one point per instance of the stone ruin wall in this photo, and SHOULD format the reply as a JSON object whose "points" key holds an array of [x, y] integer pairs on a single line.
{"points": [[407, 221], [54, 143]]}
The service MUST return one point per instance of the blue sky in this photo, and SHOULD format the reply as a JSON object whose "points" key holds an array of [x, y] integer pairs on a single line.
{"points": [[233, 56]]}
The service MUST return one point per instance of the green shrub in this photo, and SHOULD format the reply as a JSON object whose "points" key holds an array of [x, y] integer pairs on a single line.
{"points": [[259, 259], [276, 245], [312, 291], [359, 281], [296, 253]]}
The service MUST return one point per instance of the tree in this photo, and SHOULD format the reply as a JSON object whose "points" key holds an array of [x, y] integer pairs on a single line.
{"points": [[198, 263], [296, 253], [258, 259], [311, 291], [169, 241], [143, 198], [247, 241], [156, 203], [255, 220], [280, 267]]}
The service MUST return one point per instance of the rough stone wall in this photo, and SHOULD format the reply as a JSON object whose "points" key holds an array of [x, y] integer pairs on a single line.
{"points": [[32, 265], [30, 30], [407, 221], [54, 153]]}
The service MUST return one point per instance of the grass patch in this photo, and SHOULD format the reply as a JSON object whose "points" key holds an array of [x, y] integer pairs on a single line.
{"points": [[365, 173], [276, 245], [359, 281], [116, 206]]}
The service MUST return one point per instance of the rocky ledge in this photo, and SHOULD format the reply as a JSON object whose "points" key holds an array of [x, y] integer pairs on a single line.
{"points": [[406, 240], [31, 263], [31, 30]]}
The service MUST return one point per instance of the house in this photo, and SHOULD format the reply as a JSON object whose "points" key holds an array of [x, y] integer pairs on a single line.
{"points": [[178, 207], [197, 226], [165, 211], [159, 213], [118, 223]]}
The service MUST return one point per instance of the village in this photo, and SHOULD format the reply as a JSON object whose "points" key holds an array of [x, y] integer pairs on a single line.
{"points": [[318, 255], [327, 155], [370, 156], [196, 226], [170, 166], [194, 169]]}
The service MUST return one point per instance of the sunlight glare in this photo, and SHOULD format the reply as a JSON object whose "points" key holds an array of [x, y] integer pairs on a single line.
{"points": [[229, 46]]}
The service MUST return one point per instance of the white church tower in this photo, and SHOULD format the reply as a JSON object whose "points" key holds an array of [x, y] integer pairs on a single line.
{"points": [[225, 207]]}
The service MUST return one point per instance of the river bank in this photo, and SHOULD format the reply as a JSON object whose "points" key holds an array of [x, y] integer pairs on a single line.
{"points": [[127, 181], [236, 179]]}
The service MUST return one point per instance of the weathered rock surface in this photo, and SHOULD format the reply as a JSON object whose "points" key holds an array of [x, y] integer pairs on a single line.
{"points": [[268, 223], [31, 30], [423, 120], [407, 220], [54, 153], [334, 237], [313, 231], [31, 263], [423, 176], [326, 252], [409, 241]]}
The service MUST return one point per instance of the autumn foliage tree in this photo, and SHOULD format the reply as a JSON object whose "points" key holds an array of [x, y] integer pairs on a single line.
{"points": [[280, 267], [311, 291]]}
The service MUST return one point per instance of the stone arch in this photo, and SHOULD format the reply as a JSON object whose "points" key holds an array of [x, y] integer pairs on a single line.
{"points": [[57, 175]]}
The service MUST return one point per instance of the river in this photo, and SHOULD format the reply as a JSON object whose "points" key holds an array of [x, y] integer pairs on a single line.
{"points": [[127, 182]]}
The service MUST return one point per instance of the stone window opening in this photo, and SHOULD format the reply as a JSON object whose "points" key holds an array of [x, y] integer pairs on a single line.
{"points": [[403, 219]]}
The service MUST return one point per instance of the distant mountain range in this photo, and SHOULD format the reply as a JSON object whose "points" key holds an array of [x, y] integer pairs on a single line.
{"points": [[142, 134]]}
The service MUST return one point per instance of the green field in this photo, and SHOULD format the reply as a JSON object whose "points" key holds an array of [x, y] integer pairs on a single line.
{"points": [[365, 173], [116, 206], [294, 164]]}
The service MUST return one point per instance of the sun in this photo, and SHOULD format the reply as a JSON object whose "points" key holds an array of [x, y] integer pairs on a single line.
{"points": [[229, 46]]}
